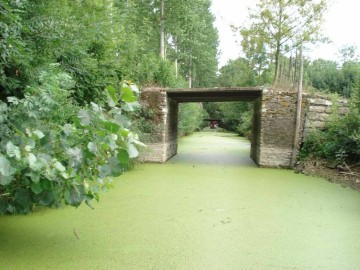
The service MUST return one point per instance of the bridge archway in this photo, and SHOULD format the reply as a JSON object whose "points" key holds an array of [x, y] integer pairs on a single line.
{"points": [[273, 120]]}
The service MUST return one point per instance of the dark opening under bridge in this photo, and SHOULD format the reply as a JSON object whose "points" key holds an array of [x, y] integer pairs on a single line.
{"points": [[274, 119]]}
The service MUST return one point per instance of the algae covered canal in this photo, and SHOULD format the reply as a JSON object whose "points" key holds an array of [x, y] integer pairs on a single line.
{"points": [[209, 207]]}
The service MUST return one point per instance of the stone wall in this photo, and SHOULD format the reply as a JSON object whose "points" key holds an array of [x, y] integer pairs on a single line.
{"points": [[273, 125], [256, 131], [278, 114], [171, 135], [164, 113], [319, 111], [154, 104]]}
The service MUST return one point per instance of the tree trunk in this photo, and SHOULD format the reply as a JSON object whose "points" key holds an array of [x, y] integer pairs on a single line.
{"points": [[277, 63], [162, 30], [295, 67], [190, 75], [298, 113], [176, 57]]}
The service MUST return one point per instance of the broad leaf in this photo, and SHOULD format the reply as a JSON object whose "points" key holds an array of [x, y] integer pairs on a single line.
{"points": [[116, 168], [23, 199], [34, 176], [31, 158], [13, 151], [133, 152], [5, 167], [45, 198], [3, 107], [39, 134], [58, 166], [5, 180], [92, 147], [46, 184], [95, 107], [122, 120], [67, 129], [112, 127], [74, 195], [104, 171], [36, 188], [111, 96], [112, 142], [127, 94], [84, 117], [76, 156], [123, 156], [124, 132], [13, 100], [38, 164], [130, 107], [134, 88]]}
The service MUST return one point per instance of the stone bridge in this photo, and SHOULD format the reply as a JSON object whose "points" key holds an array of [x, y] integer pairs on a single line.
{"points": [[274, 119]]}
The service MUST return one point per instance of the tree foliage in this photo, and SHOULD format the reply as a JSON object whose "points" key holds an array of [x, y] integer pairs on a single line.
{"points": [[102, 42], [191, 118], [65, 112], [339, 142], [278, 27], [193, 40], [52, 151], [330, 76]]}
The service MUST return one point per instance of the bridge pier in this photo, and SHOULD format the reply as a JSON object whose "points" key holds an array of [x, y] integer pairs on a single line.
{"points": [[273, 120], [278, 116], [164, 118]]}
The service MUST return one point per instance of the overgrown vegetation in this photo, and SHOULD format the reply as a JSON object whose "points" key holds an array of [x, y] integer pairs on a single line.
{"points": [[339, 142], [66, 103], [67, 106], [191, 118], [53, 151], [234, 116], [272, 42]]}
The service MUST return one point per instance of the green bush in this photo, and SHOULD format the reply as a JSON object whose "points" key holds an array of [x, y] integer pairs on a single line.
{"points": [[191, 117], [235, 116], [339, 142], [53, 151], [245, 126]]}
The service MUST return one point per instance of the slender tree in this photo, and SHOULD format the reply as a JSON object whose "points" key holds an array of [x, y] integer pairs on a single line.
{"points": [[278, 26], [162, 30]]}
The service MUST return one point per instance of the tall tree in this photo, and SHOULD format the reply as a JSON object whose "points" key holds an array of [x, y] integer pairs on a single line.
{"points": [[324, 75], [278, 26], [192, 40], [162, 30], [237, 73]]}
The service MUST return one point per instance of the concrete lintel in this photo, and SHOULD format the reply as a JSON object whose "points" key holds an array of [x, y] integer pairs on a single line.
{"points": [[215, 94]]}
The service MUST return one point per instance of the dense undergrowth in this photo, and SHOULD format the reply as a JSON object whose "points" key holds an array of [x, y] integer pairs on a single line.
{"points": [[339, 142], [69, 116], [53, 151]]}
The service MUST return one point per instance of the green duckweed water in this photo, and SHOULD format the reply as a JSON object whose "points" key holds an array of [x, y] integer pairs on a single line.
{"points": [[209, 207]]}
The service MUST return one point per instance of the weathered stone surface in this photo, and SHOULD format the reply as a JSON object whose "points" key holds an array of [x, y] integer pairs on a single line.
{"points": [[320, 101], [278, 116], [273, 122], [159, 152], [319, 111], [275, 157]]}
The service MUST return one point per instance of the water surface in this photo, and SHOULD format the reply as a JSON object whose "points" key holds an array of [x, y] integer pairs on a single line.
{"points": [[209, 207]]}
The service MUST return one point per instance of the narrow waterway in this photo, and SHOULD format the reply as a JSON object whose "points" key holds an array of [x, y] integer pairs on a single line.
{"points": [[209, 207]]}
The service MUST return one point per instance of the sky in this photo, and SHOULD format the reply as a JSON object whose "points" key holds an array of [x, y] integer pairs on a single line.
{"points": [[342, 23]]}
